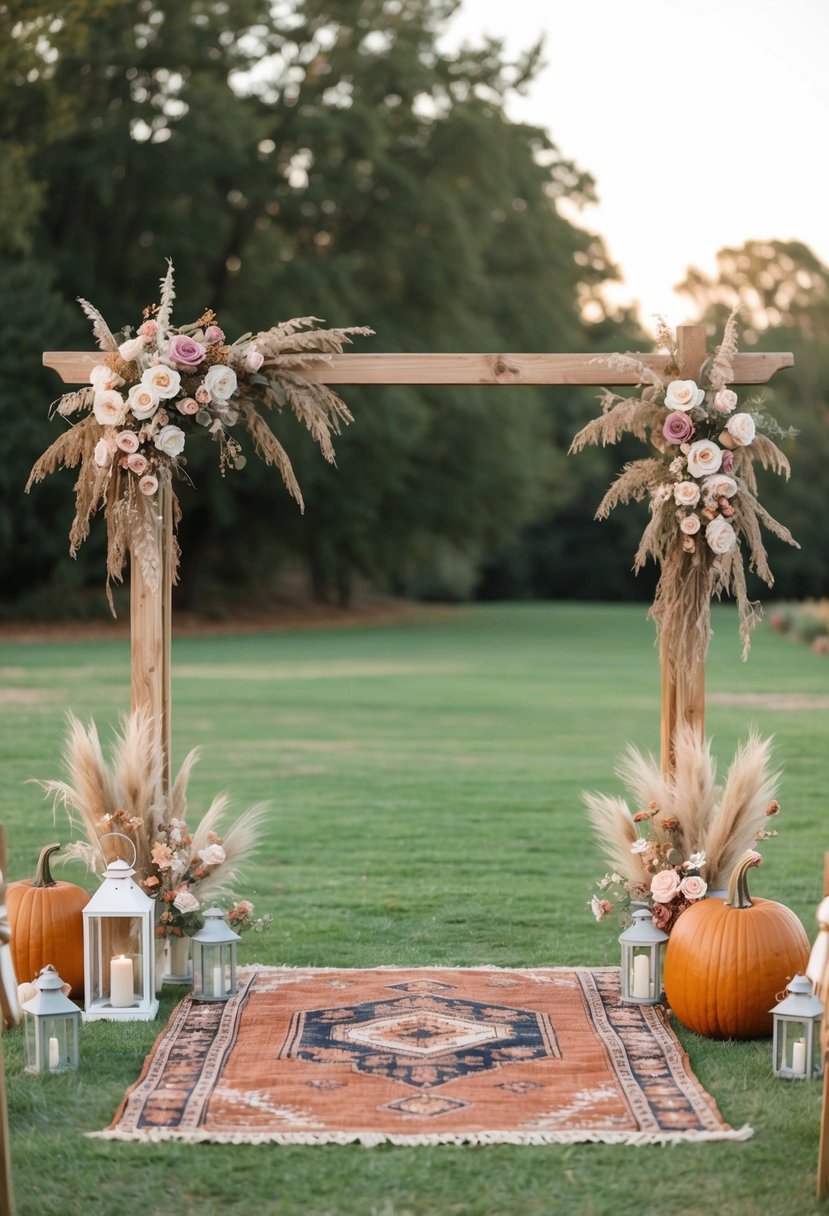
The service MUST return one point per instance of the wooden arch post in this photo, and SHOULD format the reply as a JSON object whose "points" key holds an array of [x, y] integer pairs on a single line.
{"points": [[683, 694]]}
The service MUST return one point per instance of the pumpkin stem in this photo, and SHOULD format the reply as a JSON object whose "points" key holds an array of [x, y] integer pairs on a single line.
{"points": [[43, 875], [738, 895]]}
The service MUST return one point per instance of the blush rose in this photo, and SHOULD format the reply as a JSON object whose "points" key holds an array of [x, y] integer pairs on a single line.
{"points": [[664, 886], [683, 395], [704, 457], [678, 428]]}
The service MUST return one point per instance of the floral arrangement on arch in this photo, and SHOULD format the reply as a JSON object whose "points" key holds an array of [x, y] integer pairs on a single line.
{"points": [[687, 832], [184, 870], [701, 485], [158, 387]]}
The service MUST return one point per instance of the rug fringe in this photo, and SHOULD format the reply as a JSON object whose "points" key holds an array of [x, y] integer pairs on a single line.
{"points": [[372, 1139]]}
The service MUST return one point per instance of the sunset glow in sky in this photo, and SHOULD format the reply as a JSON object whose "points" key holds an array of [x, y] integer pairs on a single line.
{"points": [[703, 122]]}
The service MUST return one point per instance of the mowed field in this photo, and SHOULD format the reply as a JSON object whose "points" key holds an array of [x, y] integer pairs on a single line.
{"points": [[424, 782]]}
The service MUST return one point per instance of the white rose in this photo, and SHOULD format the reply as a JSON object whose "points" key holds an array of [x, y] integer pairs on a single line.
{"points": [[725, 401], [686, 494], [170, 440], [185, 901], [165, 380], [683, 395], [719, 485], [220, 382], [148, 484], [704, 457], [213, 855], [690, 525], [142, 400], [102, 454], [720, 535], [741, 428], [101, 377], [131, 349], [109, 407]]}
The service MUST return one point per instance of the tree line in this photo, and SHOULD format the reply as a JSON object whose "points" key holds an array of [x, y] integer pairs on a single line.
{"points": [[324, 158]]}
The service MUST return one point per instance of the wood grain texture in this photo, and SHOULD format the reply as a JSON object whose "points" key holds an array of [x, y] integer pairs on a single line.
{"points": [[482, 369], [151, 635]]}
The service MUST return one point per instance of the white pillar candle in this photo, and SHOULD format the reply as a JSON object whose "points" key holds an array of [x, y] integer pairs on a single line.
{"points": [[121, 991], [799, 1057], [54, 1053], [218, 981], [641, 976]]}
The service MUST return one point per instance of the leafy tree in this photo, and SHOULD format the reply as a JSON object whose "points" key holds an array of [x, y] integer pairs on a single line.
{"points": [[317, 157]]}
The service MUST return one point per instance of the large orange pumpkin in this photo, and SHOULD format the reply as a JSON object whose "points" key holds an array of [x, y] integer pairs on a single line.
{"points": [[727, 960], [46, 919]]}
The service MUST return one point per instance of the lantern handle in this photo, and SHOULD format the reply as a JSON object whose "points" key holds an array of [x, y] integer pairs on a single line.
{"points": [[131, 843]]}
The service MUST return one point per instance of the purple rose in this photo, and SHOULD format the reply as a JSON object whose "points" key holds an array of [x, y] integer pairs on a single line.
{"points": [[678, 428], [214, 334], [727, 461], [185, 351]]}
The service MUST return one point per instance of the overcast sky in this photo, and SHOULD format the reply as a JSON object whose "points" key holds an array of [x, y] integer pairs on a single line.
{"points": [[704, 122]]}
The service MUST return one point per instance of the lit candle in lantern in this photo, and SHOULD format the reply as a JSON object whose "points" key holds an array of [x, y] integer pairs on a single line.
{"points": [[641, 976], [121, 991], [54, 1053], [799, 1057]]}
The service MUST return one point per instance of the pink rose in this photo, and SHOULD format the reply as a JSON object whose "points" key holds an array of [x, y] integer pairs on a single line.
{"points": [[693, 887], [254, 360], [127, 441], [678, 428], [185, 351], [664, 886], [188, 405], [148, 329], [148, 484], [137, 464], [690, 525], [727, 462], [214, 334], [203, 395]]}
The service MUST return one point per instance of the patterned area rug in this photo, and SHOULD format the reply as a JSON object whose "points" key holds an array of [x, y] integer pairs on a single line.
{"points": [[419, 1056]]}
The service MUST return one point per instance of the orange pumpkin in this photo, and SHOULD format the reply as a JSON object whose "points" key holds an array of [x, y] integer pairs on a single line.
{"points": [[727, 960], [46, 919]]}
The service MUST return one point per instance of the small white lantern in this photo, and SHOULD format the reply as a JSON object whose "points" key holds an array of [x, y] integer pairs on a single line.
{"points": [[642, 944], [50, 1026], [796, 1051], [119, 948], [214, 959]]}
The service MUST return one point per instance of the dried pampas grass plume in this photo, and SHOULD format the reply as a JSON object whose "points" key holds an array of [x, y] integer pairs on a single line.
{"points": [[721, 822]]}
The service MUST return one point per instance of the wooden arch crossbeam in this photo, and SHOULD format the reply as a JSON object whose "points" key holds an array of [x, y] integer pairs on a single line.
{"points": [[150, 614]]}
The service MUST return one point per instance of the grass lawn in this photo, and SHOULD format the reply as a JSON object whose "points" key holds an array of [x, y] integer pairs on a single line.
{"points": [[424, 780]]}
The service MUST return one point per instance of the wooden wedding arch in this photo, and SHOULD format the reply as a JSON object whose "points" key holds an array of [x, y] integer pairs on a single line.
{"points": [[683, 696]]}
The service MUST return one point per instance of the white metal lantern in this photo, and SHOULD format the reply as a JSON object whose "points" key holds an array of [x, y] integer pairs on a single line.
{"points": [[214, 959], [796, 1052], [642, 945], [119, 948], [50, 1026]]}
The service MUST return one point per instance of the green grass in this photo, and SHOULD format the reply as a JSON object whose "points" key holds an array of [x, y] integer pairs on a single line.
{"points": [[424, 780]]}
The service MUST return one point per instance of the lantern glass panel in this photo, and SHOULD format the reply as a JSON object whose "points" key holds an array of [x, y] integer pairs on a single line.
{"points": [[116, 961], [51, 1042], [795, 1048], [214, 970]]}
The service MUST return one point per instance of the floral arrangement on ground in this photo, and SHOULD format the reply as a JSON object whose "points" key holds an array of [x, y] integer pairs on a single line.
{"points": [[183, 870], [804, 621], [684, 838], [157, 387]]}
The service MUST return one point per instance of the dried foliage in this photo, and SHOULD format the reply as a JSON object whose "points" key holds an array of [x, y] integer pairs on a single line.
{"points": [[702, 545], [129, 452], [719, 822], [125, 794]]}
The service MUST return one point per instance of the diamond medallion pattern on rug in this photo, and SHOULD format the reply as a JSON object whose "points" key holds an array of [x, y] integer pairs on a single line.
{"points": [[422, 1040]]}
